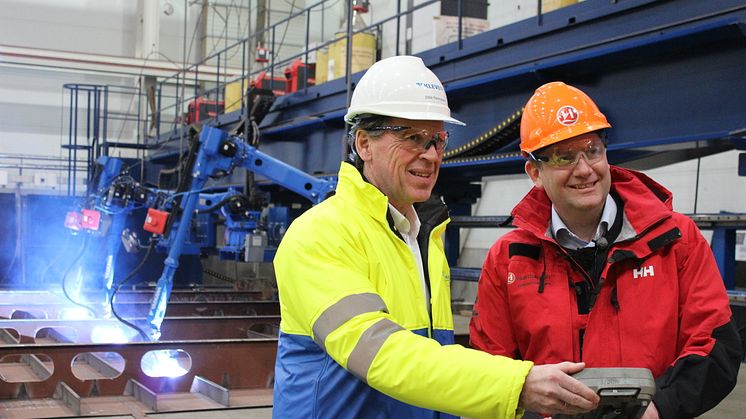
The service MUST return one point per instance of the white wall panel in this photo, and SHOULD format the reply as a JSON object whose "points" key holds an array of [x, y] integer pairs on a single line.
{"points": [[91, 26]]}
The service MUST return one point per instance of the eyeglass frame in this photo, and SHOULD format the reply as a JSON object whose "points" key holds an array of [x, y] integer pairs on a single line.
{"points": [[545, 160], [423, 148]]}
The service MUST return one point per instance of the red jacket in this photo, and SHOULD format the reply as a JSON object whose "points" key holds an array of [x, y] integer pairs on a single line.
{"points": [[661, 304]]}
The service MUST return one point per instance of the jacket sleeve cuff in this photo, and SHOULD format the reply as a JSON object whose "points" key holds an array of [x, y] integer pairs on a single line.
{"points": [[664, 403]]}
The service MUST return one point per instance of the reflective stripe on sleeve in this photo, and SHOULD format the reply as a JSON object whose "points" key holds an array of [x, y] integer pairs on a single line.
{"points": [[343, 310], [368, 346]]}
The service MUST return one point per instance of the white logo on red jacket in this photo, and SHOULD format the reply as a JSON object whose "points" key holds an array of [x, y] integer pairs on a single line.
{"points": [[643, 272], [511, 277], [567, 115]]}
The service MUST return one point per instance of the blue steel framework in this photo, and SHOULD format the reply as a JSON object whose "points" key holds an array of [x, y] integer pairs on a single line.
{"points": [[668, 74]]}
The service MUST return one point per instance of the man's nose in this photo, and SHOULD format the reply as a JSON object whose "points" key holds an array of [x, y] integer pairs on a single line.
{"points": [[582, 165], [431, 153]]}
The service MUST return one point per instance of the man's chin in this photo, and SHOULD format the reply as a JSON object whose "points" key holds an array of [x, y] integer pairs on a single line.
{"points": [[422, 196]]}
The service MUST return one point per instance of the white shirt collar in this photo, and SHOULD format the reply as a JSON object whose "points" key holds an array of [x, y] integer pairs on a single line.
{"points": [[409, 227], [568, 239], [406, 225]]}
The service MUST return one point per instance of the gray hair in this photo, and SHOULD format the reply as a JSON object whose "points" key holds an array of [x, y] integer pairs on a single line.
{"points": [[364, 122]]}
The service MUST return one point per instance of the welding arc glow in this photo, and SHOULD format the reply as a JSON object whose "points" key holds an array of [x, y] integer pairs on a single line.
{"points": [[164, 363], [75, 313], [108, 334]]}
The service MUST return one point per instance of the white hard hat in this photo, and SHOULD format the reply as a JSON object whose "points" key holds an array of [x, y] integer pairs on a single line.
{"points": [[400, 87]]}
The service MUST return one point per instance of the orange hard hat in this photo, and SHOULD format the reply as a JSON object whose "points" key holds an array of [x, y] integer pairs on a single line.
{"points": [[557, 112]]}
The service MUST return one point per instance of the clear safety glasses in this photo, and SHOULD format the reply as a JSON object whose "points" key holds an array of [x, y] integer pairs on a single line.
{"points": [[566, 154], [418, 140]]}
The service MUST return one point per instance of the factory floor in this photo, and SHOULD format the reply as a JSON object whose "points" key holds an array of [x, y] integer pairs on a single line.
{"points": [[733, 406]]}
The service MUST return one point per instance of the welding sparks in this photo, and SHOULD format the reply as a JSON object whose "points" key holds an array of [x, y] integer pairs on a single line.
{"points": [[75, 313], [108, 334], [165, 363]]}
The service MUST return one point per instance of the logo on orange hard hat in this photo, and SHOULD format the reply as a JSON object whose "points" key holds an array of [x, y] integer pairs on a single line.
{"points": [[567, 115], [542, 124]]}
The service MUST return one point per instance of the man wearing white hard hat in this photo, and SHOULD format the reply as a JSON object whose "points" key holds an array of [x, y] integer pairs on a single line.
{"points": [[367, 329]]}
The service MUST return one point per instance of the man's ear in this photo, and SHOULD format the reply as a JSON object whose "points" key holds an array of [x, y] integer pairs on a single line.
{"points": [[362, 145], [533, 171]]}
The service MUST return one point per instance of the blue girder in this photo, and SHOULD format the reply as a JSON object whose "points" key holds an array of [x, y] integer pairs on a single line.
{"points": [[664, 72]]}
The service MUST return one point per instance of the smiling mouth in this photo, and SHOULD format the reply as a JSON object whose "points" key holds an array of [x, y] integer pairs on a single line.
{"points": [[420, 174], [584, 185]]}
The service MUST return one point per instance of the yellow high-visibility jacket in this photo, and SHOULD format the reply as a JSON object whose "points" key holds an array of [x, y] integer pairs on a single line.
{"points": [[356, 339]]}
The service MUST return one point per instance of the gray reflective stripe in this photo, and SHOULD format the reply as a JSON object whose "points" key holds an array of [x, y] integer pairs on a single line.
{"points": [[368, 346], [343, 310]]}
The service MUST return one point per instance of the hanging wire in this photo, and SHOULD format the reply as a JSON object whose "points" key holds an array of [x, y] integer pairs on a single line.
{"points": [[74, 262], [123, 282]]}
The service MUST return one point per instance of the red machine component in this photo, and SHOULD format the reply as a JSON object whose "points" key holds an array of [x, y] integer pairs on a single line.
{"points": [[262, 55], [201, 109], [91, 219], [155, 221], [263, 81], [72, 220], [298, 74], [360, 6]]}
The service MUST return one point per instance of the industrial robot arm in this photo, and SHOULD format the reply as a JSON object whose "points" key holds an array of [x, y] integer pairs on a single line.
{"points": [[116, 194], [219, 154]]}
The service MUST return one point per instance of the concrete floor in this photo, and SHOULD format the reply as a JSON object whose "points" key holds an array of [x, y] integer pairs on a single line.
{"points": [[734, 406]]}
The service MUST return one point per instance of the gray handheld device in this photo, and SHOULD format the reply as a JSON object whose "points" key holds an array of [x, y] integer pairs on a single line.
{"points": [[625, 392]]}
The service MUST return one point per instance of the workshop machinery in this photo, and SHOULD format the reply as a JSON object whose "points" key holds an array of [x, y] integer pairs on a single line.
{"points": [[219, 154], [183, 221], [113, 195]]}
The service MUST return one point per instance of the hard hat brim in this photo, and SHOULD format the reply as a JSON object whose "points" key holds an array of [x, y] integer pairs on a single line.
{"points": [[415, 116]]}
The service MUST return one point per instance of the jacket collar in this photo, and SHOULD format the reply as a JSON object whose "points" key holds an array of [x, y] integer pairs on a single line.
{"points": [[646, 201], [369, 200]]}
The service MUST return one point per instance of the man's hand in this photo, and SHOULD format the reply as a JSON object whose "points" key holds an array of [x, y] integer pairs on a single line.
{"points": [[550, 390], [651, 412]]}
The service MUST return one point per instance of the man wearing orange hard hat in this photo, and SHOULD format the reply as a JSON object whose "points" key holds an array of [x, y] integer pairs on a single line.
{"points": [[600, 268]]}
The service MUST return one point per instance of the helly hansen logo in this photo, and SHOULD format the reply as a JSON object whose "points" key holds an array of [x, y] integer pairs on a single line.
{"points": [[643, 272], [567, 115]]}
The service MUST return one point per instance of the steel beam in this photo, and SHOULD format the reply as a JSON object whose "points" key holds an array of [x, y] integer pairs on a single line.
{"points": [[53, 310], [174, 328], [241, 364], [10, 296]]}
